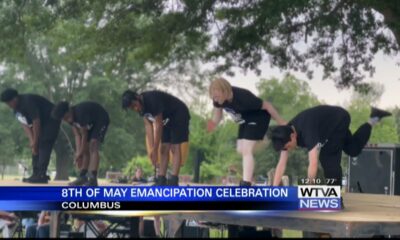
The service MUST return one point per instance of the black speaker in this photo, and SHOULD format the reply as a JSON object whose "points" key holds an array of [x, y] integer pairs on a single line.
{"points": [[376, 170]]}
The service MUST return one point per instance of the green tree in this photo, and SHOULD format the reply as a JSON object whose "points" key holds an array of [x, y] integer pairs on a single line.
{"points": [[47, 54], [340, 36], [218, 147], [7, 150]]}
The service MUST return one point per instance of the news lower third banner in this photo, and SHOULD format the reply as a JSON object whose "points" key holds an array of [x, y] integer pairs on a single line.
{"points": [[203, 198]]}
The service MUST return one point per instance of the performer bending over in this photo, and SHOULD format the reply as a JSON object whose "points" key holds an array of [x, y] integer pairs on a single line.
{"points": [[250, 112], [166, 119], [34, 114], [89, 121], [324, 132]]}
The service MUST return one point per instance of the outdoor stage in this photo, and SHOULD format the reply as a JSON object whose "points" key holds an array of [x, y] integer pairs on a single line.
{"points": [[365, 215]]}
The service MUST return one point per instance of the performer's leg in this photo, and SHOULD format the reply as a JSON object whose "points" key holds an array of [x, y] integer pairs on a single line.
{"points": [[248, 159], [354, 143], [249, 133], [35, 168], [82, 179], [85, 162], [164, 158], [47, 140], [176, 164], [96, 137], [179, 134], [45, 148], [330, 163], [94, 161], [162, 175]]}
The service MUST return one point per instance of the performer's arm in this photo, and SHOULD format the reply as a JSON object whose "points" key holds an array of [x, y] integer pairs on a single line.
{"points": [[77, 136], [280, 168], [83, 141], [158, 127], [29, 134], [273, 112], [313, 163], [152, 152], [149, 133], [217, 117], [35, 134]]}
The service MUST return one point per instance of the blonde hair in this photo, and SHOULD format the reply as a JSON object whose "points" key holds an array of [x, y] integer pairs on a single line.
{"points": [[222, 85]]}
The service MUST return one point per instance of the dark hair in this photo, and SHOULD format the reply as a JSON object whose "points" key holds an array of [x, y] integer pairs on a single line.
{"points": [[127, 97], [280, 136], [60, 110], [9, 94]]}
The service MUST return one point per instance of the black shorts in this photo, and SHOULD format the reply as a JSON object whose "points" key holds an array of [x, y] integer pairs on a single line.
{"points": [[176, 131], [98, 131], [254, 128]]}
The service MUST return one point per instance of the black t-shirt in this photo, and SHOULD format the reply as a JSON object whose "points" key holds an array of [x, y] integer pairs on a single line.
{"points": [[316, 125], [244, 107], [31, 107], [87, 114], [157, 102]]}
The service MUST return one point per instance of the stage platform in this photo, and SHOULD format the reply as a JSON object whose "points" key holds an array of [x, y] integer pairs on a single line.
{"points": [[365, 215]]}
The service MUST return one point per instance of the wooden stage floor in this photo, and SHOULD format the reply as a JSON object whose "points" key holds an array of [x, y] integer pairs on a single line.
{"points": [[365, 215]]}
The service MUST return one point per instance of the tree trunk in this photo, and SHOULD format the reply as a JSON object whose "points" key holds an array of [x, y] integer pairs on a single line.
{"points": [[3, 169], [64, 155]]}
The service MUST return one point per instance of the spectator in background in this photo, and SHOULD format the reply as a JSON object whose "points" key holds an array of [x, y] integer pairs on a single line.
{"points": [[7, 216], [7, 221], [41, 229], [139, 176]]}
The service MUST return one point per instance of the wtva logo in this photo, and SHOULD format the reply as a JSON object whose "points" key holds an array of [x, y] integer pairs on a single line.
{"points": [[317, 198], [312, 191]]}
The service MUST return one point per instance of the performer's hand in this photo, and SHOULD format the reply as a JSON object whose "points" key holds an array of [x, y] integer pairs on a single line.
{"points": [[78, 160], [211, 125], [283, 123]]}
